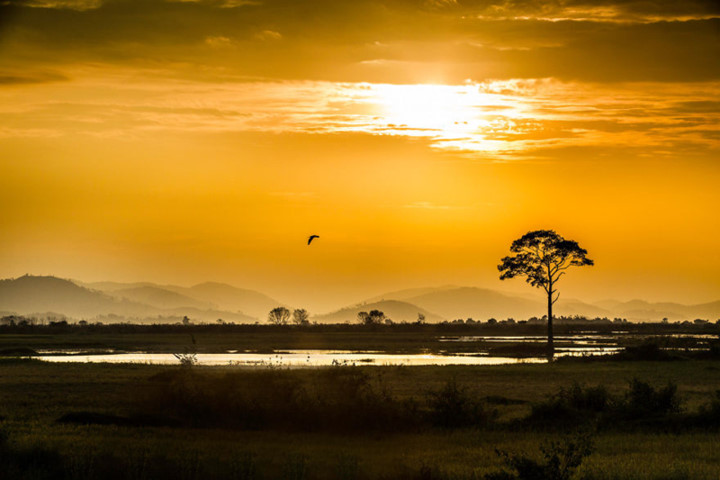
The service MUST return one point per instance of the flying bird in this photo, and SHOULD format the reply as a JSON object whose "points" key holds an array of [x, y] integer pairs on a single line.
{"points": [[312, 237]]}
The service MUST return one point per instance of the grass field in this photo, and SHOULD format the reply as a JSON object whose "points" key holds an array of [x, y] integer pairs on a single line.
{"points": [[397, 338], [34, 395]]}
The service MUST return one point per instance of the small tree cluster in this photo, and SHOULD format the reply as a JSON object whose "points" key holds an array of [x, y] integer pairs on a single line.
{"points": [[279, 316], [300, 316], [373, 317]]}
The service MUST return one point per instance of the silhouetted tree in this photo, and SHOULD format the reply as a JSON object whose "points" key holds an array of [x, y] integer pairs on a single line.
{"points": [[374, 317], [542, 256], [300, 316], [279, 316]]}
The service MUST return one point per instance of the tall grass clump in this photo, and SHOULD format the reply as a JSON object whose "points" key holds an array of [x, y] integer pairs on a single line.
{"points": [[558, 460], [28, 461], [645, 401], [572, 406], [337, 399], [452, 406], [642, 404]]}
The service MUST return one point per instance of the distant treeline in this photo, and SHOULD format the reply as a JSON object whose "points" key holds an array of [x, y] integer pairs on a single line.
{"points": [[564, 325]]}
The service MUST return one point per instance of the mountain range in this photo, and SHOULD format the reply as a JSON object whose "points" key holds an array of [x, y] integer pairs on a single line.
{"points": [[210, 301]]}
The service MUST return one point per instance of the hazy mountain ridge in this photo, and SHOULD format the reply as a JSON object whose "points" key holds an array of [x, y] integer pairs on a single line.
{"points": [[213, 295], [396, 310], [482, 303], [670, 310], [477, 303], [210, 301], [29, 295], [228, 297], [407, 293], [160, 297]]}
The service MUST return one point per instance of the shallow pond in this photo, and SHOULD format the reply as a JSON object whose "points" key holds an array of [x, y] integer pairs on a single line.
{"points": [[579, 344], [304, 358]]}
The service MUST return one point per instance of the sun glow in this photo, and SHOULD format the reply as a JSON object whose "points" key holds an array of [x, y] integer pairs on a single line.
{"points": [[456, 117]]}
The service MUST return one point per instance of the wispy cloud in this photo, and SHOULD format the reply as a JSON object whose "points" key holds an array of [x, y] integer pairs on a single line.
{"points": [[30, 77], [218, 41], [496, 120], [373, 40], [80, 5], [269, 36], [430, 206]]}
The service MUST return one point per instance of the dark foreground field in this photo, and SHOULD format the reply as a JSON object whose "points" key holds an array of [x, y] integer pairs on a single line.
{"points": [[645, 420]]}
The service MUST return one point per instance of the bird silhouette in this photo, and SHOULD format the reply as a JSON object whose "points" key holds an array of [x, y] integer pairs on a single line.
{"points": [[312, 237]]}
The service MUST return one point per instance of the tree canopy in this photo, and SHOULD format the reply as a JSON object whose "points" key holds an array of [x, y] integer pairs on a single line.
{"points": [[542, 257], [279, 316]]}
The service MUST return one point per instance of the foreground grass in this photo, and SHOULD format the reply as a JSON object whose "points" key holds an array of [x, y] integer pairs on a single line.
{"points": [[462, 454], [33, 395]]}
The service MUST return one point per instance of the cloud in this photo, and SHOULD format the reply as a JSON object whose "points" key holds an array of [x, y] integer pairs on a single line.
{"points": [[496, 120], [23, 78], [430, 206], [218, 41], [268, 36], [80, 5], [372, 40]]}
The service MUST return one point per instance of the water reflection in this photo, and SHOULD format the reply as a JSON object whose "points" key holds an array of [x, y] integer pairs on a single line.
{"points": [[474, 353], [293, 359]]}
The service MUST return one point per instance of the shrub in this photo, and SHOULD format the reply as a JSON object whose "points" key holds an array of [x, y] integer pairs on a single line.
{"points": [[647, 351], [644, 401], [709, 415], [575, 405], [559, 460], [582, 405], [452, 407]]}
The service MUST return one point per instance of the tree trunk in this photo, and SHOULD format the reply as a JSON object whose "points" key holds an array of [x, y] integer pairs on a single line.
{"points": [[550, 345]]}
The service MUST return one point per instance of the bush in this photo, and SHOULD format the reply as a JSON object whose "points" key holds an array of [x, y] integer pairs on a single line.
{"points": [[572, 406], [452, 407], [583, 405], [559, 460], [648, 351], [708, 415], [644, 401]]}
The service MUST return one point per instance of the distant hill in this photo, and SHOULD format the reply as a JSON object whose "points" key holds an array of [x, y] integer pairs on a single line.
{"points": [[227, 297], [407, 293], [477, 303], [571, 307], [109, 287], [641, 310], [219, 296], [160, 297], [396, 310], [210, 301], [29, 295]]}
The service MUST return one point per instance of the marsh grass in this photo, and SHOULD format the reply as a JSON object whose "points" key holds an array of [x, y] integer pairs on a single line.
{"points": [[33, 395], [339, 399], [558, 460]]}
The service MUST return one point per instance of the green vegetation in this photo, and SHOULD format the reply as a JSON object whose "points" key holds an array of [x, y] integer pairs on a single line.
{"points": [[650, 419]]}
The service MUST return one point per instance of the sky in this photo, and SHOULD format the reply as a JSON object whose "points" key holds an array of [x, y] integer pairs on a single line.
{"points": [[181, 141]]}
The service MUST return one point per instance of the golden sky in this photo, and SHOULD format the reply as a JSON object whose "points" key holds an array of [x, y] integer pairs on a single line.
{"points": [[184, 141]]}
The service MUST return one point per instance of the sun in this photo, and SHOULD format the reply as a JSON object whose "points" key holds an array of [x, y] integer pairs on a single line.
{"points": [[455, 116]]}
